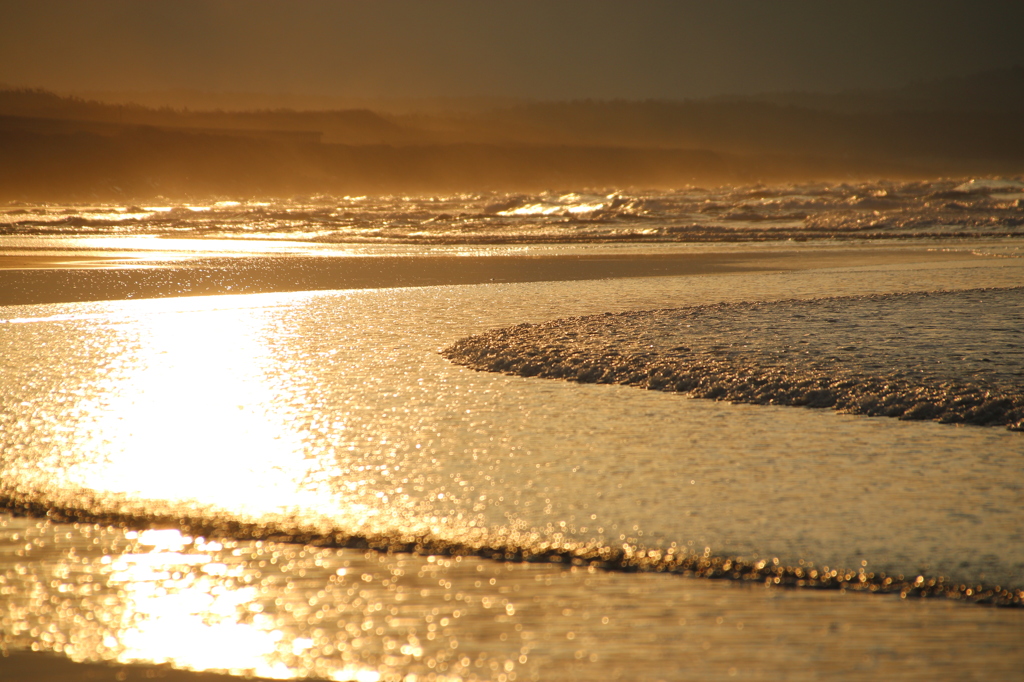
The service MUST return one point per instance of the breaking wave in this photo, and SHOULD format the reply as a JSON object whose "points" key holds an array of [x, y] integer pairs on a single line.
{"points": [[878, 210]]}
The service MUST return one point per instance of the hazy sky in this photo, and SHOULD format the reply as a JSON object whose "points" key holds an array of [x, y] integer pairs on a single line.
{"points": [[550, 49]]}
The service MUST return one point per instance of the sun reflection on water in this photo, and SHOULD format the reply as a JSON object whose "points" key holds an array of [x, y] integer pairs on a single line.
{"points": [[100, 593], [256, 608], [184, 608], [191, 407]]}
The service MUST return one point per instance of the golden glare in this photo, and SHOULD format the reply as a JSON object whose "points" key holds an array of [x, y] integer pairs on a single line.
{"points": [[194, 410], [185, 609]]}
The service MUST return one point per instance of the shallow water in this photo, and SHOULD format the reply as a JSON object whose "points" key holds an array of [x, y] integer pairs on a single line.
{"points": [[334, 413], [283, 610]]}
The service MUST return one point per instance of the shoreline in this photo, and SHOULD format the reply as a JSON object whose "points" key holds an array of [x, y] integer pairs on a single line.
{"points": [[28, 278]]}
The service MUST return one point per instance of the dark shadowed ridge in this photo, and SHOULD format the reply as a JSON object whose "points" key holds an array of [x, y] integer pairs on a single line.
{"points": [[55, 148]]}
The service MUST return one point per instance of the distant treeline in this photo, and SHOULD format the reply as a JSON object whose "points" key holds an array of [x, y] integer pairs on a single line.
{"points": [[66, 148], [354, 126]]}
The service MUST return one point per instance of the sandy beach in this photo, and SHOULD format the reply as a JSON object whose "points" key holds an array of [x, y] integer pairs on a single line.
{"points": [[56, 278], [29, 278]]}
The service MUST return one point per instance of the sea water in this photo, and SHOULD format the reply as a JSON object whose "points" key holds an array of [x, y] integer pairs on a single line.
{"points": [[938, 209], [266, 438]]}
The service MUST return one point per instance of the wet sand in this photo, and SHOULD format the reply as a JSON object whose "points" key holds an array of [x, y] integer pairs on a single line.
{"points": [[44, 279], [28, 278], [21, 666]]}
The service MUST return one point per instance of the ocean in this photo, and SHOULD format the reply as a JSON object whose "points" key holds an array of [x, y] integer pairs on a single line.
{"points": [[300, 484], [967, 208]]}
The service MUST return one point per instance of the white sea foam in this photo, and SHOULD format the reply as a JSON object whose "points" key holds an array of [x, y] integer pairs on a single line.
{"points": [[881, 210], [953, 357]]}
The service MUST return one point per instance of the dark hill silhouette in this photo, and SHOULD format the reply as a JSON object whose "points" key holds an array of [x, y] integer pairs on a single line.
{"points": [[56, 148], [353, 126]]}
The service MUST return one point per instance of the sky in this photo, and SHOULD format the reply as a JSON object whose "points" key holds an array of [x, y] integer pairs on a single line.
{"points": [[471, 48]]}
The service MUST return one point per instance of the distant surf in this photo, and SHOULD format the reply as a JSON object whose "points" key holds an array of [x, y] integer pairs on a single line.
{"points": [[938, 209]]}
